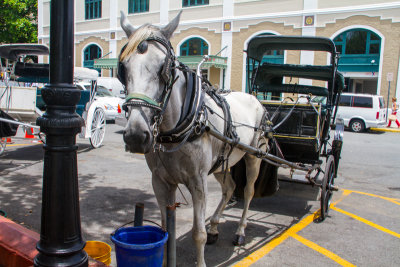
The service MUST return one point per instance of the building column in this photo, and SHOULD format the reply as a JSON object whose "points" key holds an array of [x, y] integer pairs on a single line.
{"points": [[308, 29], [164, 10], [113, 29], [397, 94], [226, 40], [40, 26]]}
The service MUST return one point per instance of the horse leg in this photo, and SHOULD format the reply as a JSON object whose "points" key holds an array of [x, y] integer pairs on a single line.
{"points": [[252, 168], [165, 195], [198, 191], [228, 187]]}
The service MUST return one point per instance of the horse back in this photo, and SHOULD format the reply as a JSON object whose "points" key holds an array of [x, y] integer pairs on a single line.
{"points": [[246, 111]]}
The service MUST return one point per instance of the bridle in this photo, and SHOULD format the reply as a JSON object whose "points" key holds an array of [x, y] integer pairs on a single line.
{"points": [[189, 124], [167, 75]]}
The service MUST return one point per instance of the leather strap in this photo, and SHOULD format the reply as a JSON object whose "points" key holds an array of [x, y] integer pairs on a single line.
{"points": [[145, 98]]}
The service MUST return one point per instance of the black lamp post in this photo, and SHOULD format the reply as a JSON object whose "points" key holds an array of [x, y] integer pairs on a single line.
{"points": [[61, 241]]}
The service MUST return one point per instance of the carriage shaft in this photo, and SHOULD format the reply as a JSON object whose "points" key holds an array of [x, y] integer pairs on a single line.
{"points": [[255, 151]]}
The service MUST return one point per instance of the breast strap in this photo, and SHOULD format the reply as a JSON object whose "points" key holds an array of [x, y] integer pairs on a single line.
{"points": [[189, 112]]}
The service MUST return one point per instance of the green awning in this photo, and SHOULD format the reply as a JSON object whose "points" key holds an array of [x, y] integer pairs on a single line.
{"points": [[105, 63], [190, 61], [215, 61]]}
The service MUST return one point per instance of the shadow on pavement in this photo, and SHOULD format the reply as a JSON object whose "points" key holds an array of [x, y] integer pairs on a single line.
{"points": [[262, 227], [102, 208]]}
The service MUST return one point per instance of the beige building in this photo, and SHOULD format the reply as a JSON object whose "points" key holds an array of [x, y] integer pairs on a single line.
{"points": [[367, 33]]}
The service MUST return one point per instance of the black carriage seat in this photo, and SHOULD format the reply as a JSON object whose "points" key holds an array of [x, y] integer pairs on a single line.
{"points": [[299, 136], [268, 71], [32, 71]]}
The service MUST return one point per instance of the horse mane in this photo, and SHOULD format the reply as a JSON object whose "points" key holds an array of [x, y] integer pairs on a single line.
{"points": [[136, 38]]}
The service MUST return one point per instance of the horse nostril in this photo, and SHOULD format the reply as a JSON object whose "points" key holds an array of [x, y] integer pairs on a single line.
{"points": [[146, 137]]}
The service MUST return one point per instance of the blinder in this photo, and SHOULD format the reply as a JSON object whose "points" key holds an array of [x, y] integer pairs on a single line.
{"points": [[121, 69]]}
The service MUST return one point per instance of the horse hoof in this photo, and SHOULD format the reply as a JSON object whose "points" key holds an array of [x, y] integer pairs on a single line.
{"points": [[211, 238], [239, 240]]}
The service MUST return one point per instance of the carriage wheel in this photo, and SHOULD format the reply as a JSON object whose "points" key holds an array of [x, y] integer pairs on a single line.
{"points": [[3, 143], [98, 128], [327, 186]]}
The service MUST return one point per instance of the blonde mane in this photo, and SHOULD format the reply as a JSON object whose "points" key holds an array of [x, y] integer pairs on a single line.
{"points": [[137, 37]]}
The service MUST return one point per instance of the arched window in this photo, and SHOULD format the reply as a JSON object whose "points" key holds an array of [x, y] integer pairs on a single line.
{"points": [[358, 42], [359, 50], [270, 56], [359, 59], [89, 54], [194, 47]]}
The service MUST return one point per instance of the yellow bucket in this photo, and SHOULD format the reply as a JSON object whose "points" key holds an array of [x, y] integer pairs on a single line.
{"points": [[99, 251]]}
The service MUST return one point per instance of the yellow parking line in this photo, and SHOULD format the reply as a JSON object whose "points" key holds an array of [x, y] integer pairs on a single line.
{"points": [[258, 254], [322, 250], [23, 144], [383, 229], [394, 200]]}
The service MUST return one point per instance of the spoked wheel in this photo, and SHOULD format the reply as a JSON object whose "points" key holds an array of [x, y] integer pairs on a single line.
{"points": [[3, 143], [327, 187], [98, 128]]}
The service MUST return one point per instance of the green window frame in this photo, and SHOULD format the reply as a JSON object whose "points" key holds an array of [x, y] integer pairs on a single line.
{"points": [[189, 3], [93, 9], [138, 6], [371, 46], [91, 53], [194, 47]]}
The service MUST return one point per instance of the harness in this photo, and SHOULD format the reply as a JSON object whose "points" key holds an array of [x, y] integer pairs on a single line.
{"points": [[194, 112]]}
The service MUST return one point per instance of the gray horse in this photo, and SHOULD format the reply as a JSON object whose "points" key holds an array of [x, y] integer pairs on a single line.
{"points": [[157, 96]]}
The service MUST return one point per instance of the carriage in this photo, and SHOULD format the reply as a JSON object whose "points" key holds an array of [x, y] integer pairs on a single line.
{"points": [[187, 129], [302, 115], [21, 100]]}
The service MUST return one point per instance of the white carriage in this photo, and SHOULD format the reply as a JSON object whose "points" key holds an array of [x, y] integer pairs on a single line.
{"points": [[21, 102]]}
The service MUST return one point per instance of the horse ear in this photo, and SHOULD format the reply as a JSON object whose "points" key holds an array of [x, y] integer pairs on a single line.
{"points": [[126, 25], [168, 30]]}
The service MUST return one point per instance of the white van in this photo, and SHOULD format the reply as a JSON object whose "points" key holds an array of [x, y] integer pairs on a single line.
{"points": [[113, 85], [361, 111]]}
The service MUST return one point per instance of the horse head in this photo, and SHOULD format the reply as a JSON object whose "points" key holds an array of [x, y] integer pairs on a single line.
{"points": [[146, 69]]}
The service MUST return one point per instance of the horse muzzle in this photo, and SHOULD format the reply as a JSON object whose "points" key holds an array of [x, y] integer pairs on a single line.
{"points": [[138, 139]]}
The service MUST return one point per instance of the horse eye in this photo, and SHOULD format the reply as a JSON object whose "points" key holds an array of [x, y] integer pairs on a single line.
{"points": [[142, 47]]}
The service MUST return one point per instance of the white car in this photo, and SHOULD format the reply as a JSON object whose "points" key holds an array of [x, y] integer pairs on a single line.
{"points": [[361, 111], [113, 85], [112, 104]]}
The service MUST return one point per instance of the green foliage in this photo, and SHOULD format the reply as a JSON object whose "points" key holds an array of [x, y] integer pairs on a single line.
{"points": [[18, 21]]}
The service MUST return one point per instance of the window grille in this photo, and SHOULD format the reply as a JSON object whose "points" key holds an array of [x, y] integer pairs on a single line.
{"points": [[188, 3], [138, 6], [93, 9], [194, 47]]}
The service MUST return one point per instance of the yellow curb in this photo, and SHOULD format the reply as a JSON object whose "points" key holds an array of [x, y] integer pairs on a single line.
{"points": [[394, 130]]}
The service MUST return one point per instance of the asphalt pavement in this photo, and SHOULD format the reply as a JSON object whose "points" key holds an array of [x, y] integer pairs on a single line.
{"points": [[362, 227]]}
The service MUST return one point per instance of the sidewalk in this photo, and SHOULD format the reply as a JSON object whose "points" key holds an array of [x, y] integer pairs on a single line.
{"points": [[393, 128]]}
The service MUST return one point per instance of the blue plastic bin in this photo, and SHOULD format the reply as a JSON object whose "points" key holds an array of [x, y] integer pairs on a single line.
{"points": [[139, 246]]}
